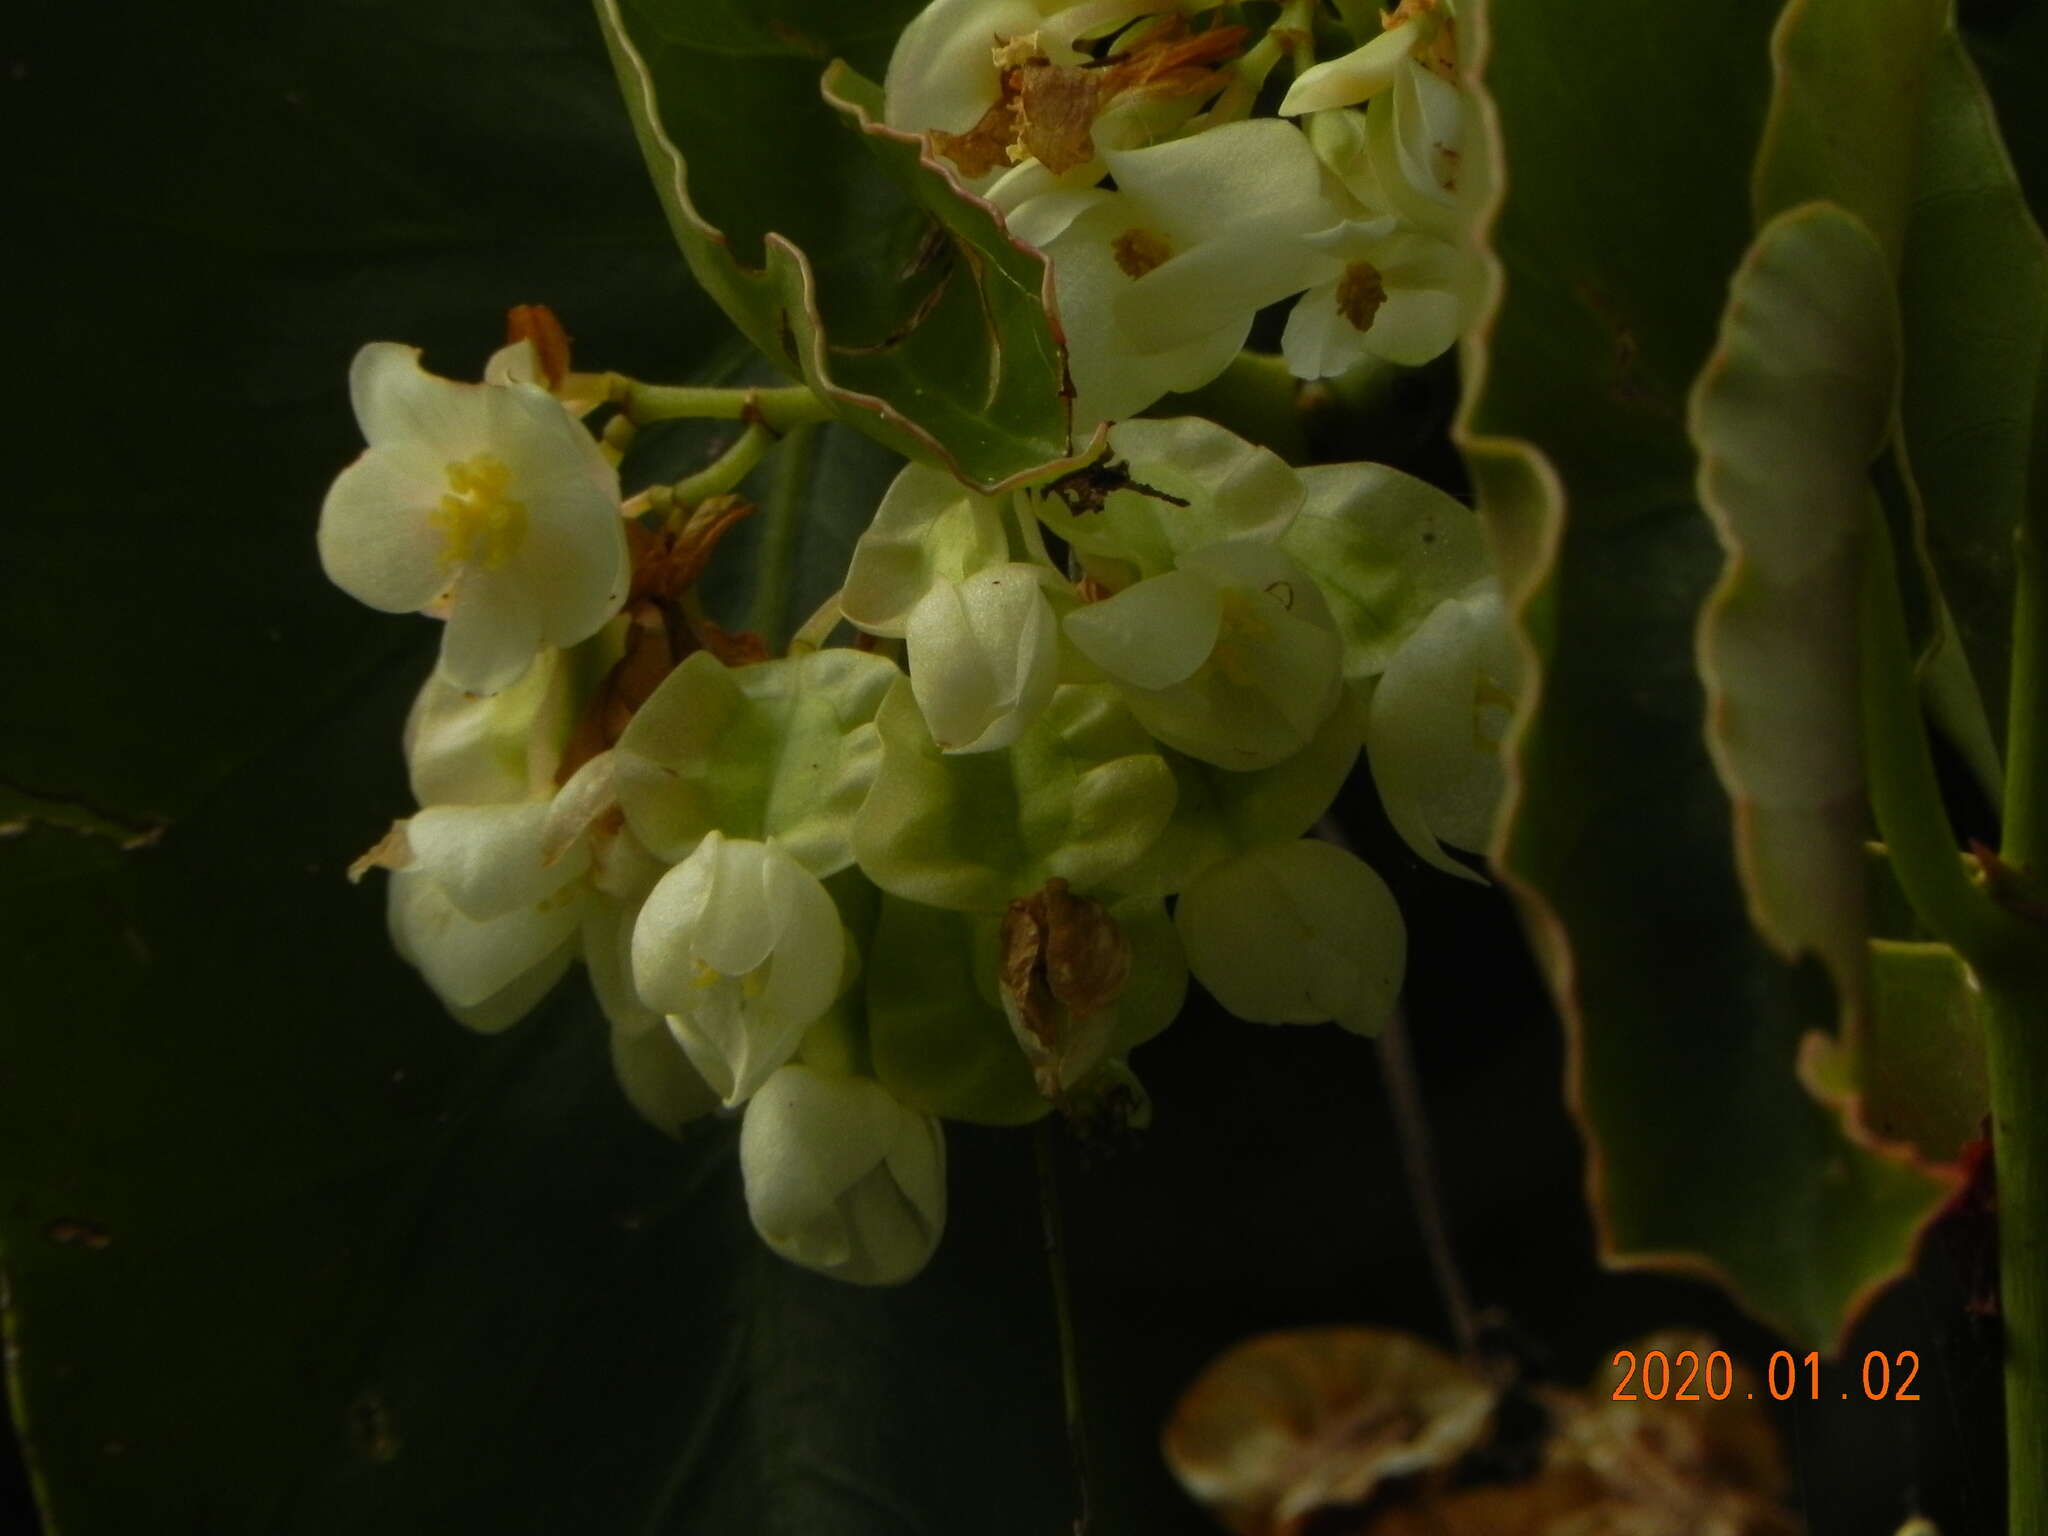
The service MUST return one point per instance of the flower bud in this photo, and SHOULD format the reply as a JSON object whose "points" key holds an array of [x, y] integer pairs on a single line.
{"points": [[984, 655], [742, 948], [841, 1178]]}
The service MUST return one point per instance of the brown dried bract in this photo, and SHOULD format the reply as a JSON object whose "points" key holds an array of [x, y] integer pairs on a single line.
{"points": [[1292, 1424], [391, 851], [1064, 963], [537, 323], [1047, 111]]}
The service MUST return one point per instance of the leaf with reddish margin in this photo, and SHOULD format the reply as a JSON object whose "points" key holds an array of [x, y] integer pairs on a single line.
{"points": [[1705, 1152]]}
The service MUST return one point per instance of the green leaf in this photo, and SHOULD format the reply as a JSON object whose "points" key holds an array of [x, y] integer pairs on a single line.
{"points": [[1974, 294], [783, 749], [1386, 548], [1786, 417], [836, 244], [1845, 114], [1080, 796], [1914, 1078], [1706, 1153]]}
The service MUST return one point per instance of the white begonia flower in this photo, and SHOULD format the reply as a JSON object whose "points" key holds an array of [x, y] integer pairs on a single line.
{"points": [[928, 532], [1157, 282], [742, 948], [984, 656], [486, 502], [841, 1178], [1232, 657], [1372, 69], [1438, 714], [481, 914], [1389, 291], [489, 749], [1296, 933]]}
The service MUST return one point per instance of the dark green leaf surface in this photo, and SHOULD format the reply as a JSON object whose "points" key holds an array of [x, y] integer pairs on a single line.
{"points": [[1974, 295], [1706, 1152], [832, 242]]}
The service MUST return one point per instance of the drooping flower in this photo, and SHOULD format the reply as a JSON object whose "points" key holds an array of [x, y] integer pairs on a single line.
{"points": [[1231, 657], [1296, 933], [1158, 281], [841, 1178], [742, 948], [1390, 292], [1417, 34], [485, 503], [1439, 712]]}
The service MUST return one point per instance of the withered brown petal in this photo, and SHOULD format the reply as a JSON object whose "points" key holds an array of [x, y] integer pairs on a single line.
{"points": [[537, 323], [1292, 1423]]}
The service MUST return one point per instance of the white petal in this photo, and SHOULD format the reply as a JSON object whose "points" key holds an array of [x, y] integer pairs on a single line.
{"points": [[466, 749], [487, 858], [1414, 326], [841, 1178], [398, 402], [1319, 343], [1438, 772], [808, 964], [928, 530], [1111, 379], [467, 962], [983, 657], [493, 632], [376, 542], [1154, 633], [942, 73], [1295, 933], [665, 968], [1359, 75]]}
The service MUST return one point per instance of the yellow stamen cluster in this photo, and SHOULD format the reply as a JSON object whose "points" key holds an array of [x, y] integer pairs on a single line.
{"points": [[479, 523]]}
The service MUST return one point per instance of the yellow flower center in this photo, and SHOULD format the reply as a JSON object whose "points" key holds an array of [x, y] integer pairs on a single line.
{"points": [[479, 523], [1138, 251], [752, 985], [1241, 622]]}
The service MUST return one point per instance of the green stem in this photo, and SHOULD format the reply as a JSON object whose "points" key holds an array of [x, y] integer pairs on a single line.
{"points": [[2026, 762], [725, 471], [1906, 793], [777, 558], [1063, 1311], [777, 409], [2016, 1040]]}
